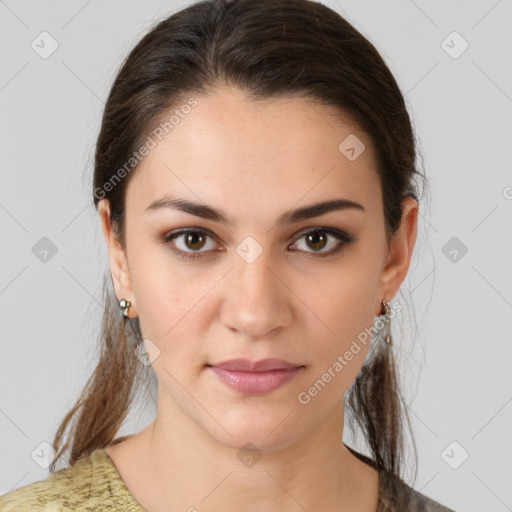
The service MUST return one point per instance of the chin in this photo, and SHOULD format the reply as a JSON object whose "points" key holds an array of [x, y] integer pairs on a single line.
{"points": [[267, 434]]}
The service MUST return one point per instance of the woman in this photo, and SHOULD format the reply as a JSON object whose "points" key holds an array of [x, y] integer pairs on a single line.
{"points": [[255, 182]]}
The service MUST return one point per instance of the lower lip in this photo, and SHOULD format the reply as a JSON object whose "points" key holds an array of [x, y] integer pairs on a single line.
{"points": [[254, 383]]}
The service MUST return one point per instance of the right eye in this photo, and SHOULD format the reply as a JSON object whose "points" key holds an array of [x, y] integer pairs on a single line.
{"points": [[190, 238]]}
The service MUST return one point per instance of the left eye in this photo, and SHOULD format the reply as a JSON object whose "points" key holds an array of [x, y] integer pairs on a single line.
{"points": [[316, 238]]}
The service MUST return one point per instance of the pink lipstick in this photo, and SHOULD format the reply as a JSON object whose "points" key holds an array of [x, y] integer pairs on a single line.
{"points": [[255, 378]]}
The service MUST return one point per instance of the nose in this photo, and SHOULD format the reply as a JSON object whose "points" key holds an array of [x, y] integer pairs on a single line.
{"points": [[257, 298]]}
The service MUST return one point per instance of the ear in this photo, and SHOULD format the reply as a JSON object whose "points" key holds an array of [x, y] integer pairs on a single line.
{"points": [[118, 262], [400, 252]]}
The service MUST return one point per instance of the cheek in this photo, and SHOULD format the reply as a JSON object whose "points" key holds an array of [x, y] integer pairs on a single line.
{"points": [[343, 297], [342, 315], [164, 288], [170, 304], [160, 291]]}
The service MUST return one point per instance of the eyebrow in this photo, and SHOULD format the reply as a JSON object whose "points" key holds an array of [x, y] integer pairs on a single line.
{"points": [[290, 217]]}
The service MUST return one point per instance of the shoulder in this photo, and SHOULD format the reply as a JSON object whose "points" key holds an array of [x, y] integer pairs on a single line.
{"points": [[91, 483], [423, 503], [397, 496]]}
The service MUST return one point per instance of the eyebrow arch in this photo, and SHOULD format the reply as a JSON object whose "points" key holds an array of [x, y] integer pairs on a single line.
{"points": [[290, 217]]}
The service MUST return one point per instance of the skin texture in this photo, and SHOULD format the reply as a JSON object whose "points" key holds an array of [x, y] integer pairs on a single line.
{"points": [[254, 161]]}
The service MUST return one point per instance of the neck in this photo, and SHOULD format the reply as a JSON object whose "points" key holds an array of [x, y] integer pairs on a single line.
{"points": [[183, 468]]}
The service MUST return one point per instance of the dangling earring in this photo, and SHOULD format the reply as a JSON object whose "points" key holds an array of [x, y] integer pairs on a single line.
{"points": [[125, 304], [387, 310]]}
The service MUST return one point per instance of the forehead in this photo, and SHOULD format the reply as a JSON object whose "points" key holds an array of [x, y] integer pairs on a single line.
{"points": [[231, 150]]}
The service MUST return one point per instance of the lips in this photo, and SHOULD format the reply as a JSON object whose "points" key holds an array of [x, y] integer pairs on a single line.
{"points": [[255, 377], [264, 365]]}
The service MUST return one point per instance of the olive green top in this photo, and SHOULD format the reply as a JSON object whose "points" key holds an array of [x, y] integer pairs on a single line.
{"points": [[93, 483]]}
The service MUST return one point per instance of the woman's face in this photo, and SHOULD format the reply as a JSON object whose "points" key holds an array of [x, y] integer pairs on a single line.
{"points": [[259, 287]]}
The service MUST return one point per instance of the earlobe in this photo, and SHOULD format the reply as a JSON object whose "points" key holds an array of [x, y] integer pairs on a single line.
{"points": [[401, 249], [118, 262]]}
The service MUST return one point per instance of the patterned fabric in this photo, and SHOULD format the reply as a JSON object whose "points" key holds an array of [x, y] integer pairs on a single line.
{"points": [[90, 484], [94, 484]]}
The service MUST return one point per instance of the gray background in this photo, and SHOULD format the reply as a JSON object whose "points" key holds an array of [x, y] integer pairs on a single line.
{"points": [[457, 368]]}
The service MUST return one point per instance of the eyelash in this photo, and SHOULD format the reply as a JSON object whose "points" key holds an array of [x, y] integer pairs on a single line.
{"points": [[341, 236]]}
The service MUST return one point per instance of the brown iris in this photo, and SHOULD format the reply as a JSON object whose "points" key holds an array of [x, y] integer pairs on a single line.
{"points": [[316, 237], [193, 237]]}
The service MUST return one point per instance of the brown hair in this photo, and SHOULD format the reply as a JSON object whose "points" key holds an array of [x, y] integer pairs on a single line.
{"points": [[268, 48]]}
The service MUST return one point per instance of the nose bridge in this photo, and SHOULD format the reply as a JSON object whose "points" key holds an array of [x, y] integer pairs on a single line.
{"points": [[253, 261], [257, 303], [254, 276]]}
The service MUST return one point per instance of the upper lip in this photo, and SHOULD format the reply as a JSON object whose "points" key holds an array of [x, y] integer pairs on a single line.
{"points": [[263, 365]]}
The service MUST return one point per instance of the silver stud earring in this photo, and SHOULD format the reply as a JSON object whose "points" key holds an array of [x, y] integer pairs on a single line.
{"points": [[387, 310], [125, 304]]}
